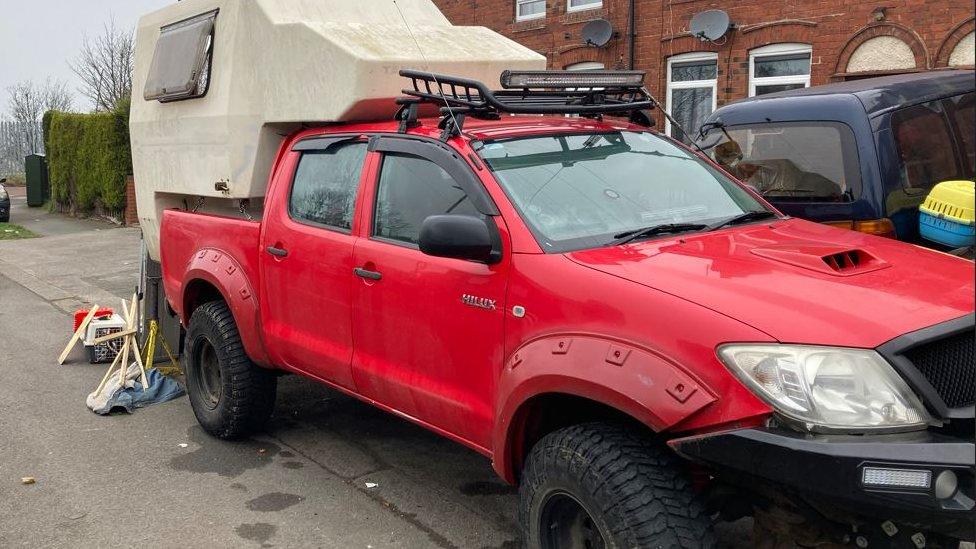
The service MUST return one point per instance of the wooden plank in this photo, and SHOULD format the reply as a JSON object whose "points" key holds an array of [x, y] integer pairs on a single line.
{"points": [[113, 335], [142, 367], [108, 373], [78, 333], [130, 324]]}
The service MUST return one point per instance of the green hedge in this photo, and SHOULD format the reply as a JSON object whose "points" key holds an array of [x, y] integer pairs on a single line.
{"points": [[88, 158]]}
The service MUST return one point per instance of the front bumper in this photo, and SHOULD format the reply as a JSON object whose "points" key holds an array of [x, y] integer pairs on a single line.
{"points": [[828, 469]]}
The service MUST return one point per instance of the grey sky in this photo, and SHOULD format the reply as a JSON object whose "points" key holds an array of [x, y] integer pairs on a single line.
{"points": [[37, 37]]}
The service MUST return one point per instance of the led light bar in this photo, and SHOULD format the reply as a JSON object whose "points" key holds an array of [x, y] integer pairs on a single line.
{"points": [[880, 477], [572, 79]]}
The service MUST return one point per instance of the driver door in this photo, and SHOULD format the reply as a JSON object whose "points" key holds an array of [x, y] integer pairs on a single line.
{"points": [[421, 347]]}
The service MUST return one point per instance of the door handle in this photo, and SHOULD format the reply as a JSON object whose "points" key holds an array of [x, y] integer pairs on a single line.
{"points": [[277, 252], [363, 273]]}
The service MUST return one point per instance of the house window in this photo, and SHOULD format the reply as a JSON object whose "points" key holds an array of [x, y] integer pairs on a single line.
{"points": [[779, 67], [180, 66], [529, 9], [580, 5], [586, 66], [691, 92]]}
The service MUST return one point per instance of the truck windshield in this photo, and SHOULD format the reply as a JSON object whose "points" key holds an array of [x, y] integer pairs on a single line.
{"points": [[579, 191]]}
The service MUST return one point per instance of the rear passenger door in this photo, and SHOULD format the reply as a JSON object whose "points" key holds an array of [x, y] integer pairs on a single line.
{"points": [[307, 258], [421, 348]]}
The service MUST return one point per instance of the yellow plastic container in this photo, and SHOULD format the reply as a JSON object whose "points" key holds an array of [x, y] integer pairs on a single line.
{"points": [[952, 201]]}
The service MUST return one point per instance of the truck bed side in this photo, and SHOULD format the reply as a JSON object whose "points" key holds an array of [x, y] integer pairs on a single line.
{"points": [[204, 255]]}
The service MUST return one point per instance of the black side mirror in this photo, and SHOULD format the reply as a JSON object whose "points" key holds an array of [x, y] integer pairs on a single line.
{"points": [[459, 237], [3, 179]]}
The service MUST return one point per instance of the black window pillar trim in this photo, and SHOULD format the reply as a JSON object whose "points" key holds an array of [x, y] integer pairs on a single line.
{"points": [[444, 156]]}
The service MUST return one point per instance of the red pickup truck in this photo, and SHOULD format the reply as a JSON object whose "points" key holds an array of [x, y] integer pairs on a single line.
{"points": [[635, 338]]}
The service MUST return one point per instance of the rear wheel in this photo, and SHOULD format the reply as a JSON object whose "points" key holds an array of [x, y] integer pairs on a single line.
{"points": [[230, 395], [597, 485]]}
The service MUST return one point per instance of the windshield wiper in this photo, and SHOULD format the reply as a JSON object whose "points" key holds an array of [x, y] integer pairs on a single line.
{"points": [[666, 228], [754, 215]]}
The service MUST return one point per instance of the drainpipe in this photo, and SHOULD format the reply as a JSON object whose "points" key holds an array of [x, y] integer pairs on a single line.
{"points": [[632, 24]]}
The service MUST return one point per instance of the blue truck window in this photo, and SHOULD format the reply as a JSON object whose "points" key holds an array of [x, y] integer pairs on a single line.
{"points": [[799, 161], [925, 146]]}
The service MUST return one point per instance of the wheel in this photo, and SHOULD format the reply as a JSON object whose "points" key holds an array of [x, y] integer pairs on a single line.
{"points": [[230, 395], [599, 485]]}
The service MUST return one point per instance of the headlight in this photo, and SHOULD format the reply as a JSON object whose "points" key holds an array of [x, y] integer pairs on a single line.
{"points": [[830, 388]]}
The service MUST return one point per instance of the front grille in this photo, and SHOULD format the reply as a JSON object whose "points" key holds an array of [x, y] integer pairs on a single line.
{"points": [[949, 364]]}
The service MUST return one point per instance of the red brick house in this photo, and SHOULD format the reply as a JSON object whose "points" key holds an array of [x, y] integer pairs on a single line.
{"points": [[772, 45]]}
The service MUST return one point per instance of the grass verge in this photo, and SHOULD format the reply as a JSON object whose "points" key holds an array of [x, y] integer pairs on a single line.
{"points": [[10, 231]]}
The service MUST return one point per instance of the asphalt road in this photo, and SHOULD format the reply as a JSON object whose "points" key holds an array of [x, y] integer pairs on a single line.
{"points": [[329, 472]]}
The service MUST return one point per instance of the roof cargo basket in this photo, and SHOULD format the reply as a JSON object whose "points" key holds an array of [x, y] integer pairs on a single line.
{"points": [[583, 93]]}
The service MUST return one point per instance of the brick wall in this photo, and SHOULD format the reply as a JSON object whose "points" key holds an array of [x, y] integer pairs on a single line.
{"points": [[834, 29], [130, 217]]}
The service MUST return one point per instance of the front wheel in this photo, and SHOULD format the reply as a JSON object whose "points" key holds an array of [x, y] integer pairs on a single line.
{"points": [[230, 395], [598, 485]]}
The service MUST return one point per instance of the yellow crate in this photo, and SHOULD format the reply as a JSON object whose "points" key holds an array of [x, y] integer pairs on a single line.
{"points": [[953, 201]]}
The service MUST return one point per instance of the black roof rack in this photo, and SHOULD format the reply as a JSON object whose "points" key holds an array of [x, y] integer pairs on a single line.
{"points": [[584, 93]]}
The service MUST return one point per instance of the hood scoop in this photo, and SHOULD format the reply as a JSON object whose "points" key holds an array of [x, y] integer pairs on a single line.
{"points": [[829, 260]]}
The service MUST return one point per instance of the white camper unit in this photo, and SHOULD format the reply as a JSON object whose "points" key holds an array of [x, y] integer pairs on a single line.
{"points": [[219, 83]]}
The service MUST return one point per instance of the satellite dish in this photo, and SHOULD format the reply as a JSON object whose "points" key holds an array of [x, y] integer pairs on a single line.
{"points": [[709, 25], [597, 32]]}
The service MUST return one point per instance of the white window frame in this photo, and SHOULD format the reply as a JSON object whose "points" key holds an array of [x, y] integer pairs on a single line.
{"points": [[786, 48], [586, 66], [711, 83], [530, 17], [570, 8]]}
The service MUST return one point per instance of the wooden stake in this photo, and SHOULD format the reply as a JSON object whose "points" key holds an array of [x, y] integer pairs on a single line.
{"points": [[108, 373], [130, 321], [78, 333], [142, 367], [113, 335]]}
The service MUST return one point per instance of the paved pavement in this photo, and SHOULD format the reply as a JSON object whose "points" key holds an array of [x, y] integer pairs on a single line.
{"points": [[329, 472], [39, 221], [76, 262]]}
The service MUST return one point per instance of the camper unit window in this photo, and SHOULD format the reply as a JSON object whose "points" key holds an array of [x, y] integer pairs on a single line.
{"points": [[180, 67]]}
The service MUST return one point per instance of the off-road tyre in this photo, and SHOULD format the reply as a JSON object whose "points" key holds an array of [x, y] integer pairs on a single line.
{"points": [[241, 400], [634, 489]]}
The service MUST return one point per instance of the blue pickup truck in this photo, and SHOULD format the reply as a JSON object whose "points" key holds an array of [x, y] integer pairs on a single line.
{"points": [[861, 154]]}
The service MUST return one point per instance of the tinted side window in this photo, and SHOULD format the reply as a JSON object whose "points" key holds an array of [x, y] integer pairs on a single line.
{"points": [[410, 190], [325, 186], [924, 145], [963, 114]]}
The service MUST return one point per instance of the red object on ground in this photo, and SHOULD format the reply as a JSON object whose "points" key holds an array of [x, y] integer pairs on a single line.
{"points": [[80, 315]]}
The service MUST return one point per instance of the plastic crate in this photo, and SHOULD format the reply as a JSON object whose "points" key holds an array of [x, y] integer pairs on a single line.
{"points": [[947, 215], [80, 315]]}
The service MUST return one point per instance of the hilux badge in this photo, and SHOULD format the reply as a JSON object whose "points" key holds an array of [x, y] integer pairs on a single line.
{"points": [[480, 302]]}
